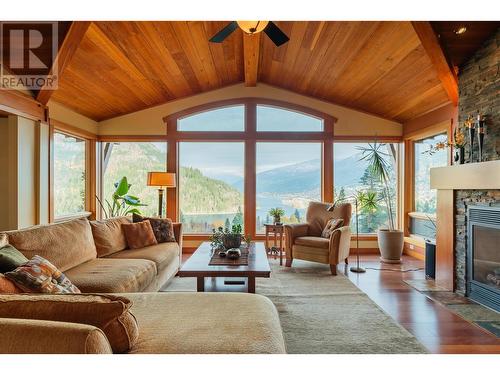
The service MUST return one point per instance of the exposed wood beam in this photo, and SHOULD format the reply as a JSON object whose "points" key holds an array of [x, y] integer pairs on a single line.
{"points": [[22, 105], [251, 57], [68, 48], [431, 45]]}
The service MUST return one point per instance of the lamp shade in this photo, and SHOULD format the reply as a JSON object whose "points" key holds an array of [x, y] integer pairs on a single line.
{"points": [[165, 179]]}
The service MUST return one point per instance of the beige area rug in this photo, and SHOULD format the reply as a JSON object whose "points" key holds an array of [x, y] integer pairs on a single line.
{"points": [[320, 313]]}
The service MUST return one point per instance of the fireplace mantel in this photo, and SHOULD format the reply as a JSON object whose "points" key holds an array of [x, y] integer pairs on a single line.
{"points": [[474, 176]]}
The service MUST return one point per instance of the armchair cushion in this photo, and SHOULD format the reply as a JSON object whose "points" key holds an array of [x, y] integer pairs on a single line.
{"points": [[319, 242]]}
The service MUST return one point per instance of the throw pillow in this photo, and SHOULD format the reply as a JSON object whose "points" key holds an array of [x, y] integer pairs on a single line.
{"points": [[139, 235], [10, 258], [7, 286], [162, 228], [38, 275], [330, 227], [109, 313]]}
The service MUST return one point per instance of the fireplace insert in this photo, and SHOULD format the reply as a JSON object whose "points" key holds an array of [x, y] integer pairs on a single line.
{"points": [[483, 255]]}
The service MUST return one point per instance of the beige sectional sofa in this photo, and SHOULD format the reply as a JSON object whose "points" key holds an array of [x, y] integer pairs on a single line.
{"points": [[94, 256]]}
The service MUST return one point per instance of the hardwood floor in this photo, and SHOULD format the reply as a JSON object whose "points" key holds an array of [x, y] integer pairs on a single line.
{"points": [[435, 326]]}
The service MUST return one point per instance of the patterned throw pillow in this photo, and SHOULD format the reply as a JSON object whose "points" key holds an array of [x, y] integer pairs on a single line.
{"points": [[162, 228], [330, 226], [38, 275]]}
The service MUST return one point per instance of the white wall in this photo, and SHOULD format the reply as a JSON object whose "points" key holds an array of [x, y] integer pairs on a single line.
{"points": [[150, 121], [68, 116]]}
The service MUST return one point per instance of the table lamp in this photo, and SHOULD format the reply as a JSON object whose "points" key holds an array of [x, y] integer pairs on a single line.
{"points": [[162, 180]]}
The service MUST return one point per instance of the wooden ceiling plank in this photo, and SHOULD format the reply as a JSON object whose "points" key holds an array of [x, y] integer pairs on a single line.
{"points": [[251, 55], [431, 45], [64, 55]]}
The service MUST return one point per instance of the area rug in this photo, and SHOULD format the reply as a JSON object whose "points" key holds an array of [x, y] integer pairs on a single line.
{"points": [[469, 310], [321, 313]]}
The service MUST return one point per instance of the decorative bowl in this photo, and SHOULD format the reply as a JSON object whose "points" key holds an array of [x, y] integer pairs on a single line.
{"points": [[233, 253]]}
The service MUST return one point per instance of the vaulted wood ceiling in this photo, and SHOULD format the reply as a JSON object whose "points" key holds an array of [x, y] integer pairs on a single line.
{"points": [[378, 67]]}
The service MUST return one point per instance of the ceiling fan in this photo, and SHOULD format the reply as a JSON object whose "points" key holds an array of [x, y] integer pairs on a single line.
{"points": [[274, 33]]}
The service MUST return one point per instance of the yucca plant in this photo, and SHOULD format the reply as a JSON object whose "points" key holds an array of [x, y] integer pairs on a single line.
{"points": [[121, 204], [379, 167]]}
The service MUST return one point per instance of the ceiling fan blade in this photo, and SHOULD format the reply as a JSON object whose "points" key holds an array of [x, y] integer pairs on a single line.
{"points": [[224, 33], [275, 34]]}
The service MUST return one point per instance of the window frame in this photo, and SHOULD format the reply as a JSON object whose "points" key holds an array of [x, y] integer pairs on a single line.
{"points": [[250, 137], [56, 126], [408, 209]]}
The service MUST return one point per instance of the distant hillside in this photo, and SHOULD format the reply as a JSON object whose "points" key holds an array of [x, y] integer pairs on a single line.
{"points": [[202, 194], [303, 177]]}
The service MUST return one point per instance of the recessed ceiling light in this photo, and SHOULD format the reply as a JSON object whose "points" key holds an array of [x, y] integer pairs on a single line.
{"points": [[461, 30]]}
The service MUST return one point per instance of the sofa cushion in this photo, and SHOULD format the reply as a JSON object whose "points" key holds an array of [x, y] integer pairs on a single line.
{"points": [[28, 336], [10, 258], [162, 254], [187, 323], [38, 275], [108, 235], [106, 275], [139, 234], [65, 245], [109, 313], [8, 286], [320, 242]]}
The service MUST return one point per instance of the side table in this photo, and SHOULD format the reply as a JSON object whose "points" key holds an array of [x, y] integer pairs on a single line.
{"points": [[277, 231]]}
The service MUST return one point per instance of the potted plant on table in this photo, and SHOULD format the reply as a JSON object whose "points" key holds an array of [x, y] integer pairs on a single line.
{"points": [[277, 213], [390, 240], [224, 238]]}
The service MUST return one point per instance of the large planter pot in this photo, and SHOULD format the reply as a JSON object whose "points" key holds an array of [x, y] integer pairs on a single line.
{"points": [[390, 243]]}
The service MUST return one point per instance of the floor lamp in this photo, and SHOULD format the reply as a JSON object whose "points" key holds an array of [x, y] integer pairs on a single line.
{"points": [[356, 269], [161, 180]]}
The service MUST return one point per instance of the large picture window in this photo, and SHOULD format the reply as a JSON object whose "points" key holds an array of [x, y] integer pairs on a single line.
{"points": [[288, 176], [69, 175], [425, 197], [211, 185], [353, 176], [133, 160]]}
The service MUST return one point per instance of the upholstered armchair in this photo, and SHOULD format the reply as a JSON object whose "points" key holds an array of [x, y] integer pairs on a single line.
{"points": [[304, 241]]}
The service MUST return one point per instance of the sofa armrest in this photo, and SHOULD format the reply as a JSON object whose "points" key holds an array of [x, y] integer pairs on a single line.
{"points": [[27, 336], [293, 231], [340, 244]]}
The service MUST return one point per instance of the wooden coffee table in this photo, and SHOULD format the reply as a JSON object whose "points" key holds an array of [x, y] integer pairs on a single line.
{"points": [[197, 266]]}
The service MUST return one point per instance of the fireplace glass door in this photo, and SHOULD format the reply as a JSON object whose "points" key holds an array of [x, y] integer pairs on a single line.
{"points": [[486, 256]]}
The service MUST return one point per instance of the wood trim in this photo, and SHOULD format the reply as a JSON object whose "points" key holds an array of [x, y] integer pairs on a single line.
{"points": [[327, 172], [251, 57], [22, 105], [430, 42], [51, 174], [90, 177], [250, 178], [68, 48], [445, 234], [132, 138], [72, 130], [367, 138], [171, 193], [247, 100]]}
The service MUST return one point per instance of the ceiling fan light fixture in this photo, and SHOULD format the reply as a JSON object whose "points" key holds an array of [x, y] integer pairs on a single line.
{"points": [[252, 27], [461, 30]]}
